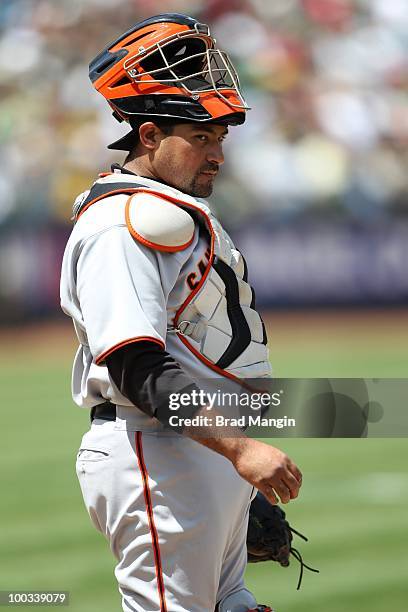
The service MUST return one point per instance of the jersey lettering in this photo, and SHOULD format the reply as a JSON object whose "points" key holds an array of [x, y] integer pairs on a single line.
{"points": [[191, 279]]}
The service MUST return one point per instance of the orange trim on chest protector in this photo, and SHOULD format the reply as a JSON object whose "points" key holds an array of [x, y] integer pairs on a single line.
{"points": [[149, 243]]}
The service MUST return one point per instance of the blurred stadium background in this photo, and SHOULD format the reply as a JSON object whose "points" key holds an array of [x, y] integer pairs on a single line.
{"points": [[315, 192]]}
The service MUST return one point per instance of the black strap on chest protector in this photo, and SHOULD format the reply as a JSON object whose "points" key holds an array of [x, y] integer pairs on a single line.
{"points": [[99, 191]]}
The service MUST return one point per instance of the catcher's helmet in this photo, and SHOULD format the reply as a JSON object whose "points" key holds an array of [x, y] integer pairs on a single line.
{"points": [[168, 66]]}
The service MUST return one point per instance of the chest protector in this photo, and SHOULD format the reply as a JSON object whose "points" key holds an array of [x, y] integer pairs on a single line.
{"points": [[218, 321]]}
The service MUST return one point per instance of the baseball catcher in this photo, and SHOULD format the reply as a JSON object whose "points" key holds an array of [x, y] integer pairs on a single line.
{"points": [[161, 301]]}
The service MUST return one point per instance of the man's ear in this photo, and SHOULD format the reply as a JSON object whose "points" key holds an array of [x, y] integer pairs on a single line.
{"points": [[150, 135]]}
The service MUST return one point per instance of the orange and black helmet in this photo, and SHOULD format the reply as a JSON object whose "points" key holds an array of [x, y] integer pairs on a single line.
{"points": [[168, 66]]}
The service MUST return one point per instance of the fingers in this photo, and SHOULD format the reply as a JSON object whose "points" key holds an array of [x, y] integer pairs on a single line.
{"points": [[295, 471], [277, 492], [270, 495], [283, 492], [292, 484], [285, 485], [269, 470]]}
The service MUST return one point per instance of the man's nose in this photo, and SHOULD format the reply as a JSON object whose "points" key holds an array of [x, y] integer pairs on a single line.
{"points": [[215, 155]]}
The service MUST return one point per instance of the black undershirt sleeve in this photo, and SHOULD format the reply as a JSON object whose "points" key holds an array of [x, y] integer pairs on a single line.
{"points": [[146, 374]]}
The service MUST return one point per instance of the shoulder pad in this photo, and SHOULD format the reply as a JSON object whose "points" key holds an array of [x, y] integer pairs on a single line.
{"points": [[158, 223]]}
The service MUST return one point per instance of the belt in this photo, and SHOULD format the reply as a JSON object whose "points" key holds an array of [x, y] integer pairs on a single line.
{"points": [[105, 411]]}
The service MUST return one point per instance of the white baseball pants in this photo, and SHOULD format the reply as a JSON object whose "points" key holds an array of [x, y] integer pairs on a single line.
{"points": [[175, 515]]}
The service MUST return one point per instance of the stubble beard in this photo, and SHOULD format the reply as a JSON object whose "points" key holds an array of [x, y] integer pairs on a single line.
{"points": [[194, 187], [198, 190], [199, 186]]}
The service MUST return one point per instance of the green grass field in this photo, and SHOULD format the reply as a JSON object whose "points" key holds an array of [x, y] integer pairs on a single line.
{"points": [[353, 505]]}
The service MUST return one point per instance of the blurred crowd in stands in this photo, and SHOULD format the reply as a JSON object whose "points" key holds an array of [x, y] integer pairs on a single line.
{"points": [[327, 81]]}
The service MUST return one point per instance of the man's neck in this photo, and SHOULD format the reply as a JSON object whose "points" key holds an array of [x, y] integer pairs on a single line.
{"points": [[138, 167], [126, 169]]}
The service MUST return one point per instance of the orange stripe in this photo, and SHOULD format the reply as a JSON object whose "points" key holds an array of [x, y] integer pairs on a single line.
{"points": [[153, 531], [148, 243], [209, 363], [208, 268], [102, 357], [216, 368]]}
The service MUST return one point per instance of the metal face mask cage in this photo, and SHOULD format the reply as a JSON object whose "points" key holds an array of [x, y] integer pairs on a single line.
{"points": [[201, 67]]}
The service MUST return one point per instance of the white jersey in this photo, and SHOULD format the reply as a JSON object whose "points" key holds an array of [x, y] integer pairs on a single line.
{"points": [[155, 494], [118, 290]]}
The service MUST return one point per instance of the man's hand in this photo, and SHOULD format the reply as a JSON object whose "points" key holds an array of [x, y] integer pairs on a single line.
{"points": [[268, 469], [265, 467]]}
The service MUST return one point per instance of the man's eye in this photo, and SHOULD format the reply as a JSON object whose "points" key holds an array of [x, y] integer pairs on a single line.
{"points": [[202, 137]]}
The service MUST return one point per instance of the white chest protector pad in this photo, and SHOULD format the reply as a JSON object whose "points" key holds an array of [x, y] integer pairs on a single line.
{"points": [[218, 321]]}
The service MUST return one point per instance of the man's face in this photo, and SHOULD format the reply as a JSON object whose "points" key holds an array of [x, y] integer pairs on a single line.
{"points": [[189, 158]]}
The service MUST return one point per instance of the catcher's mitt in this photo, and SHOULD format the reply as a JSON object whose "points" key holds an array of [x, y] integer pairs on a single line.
{"points": [[269, 536]]}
